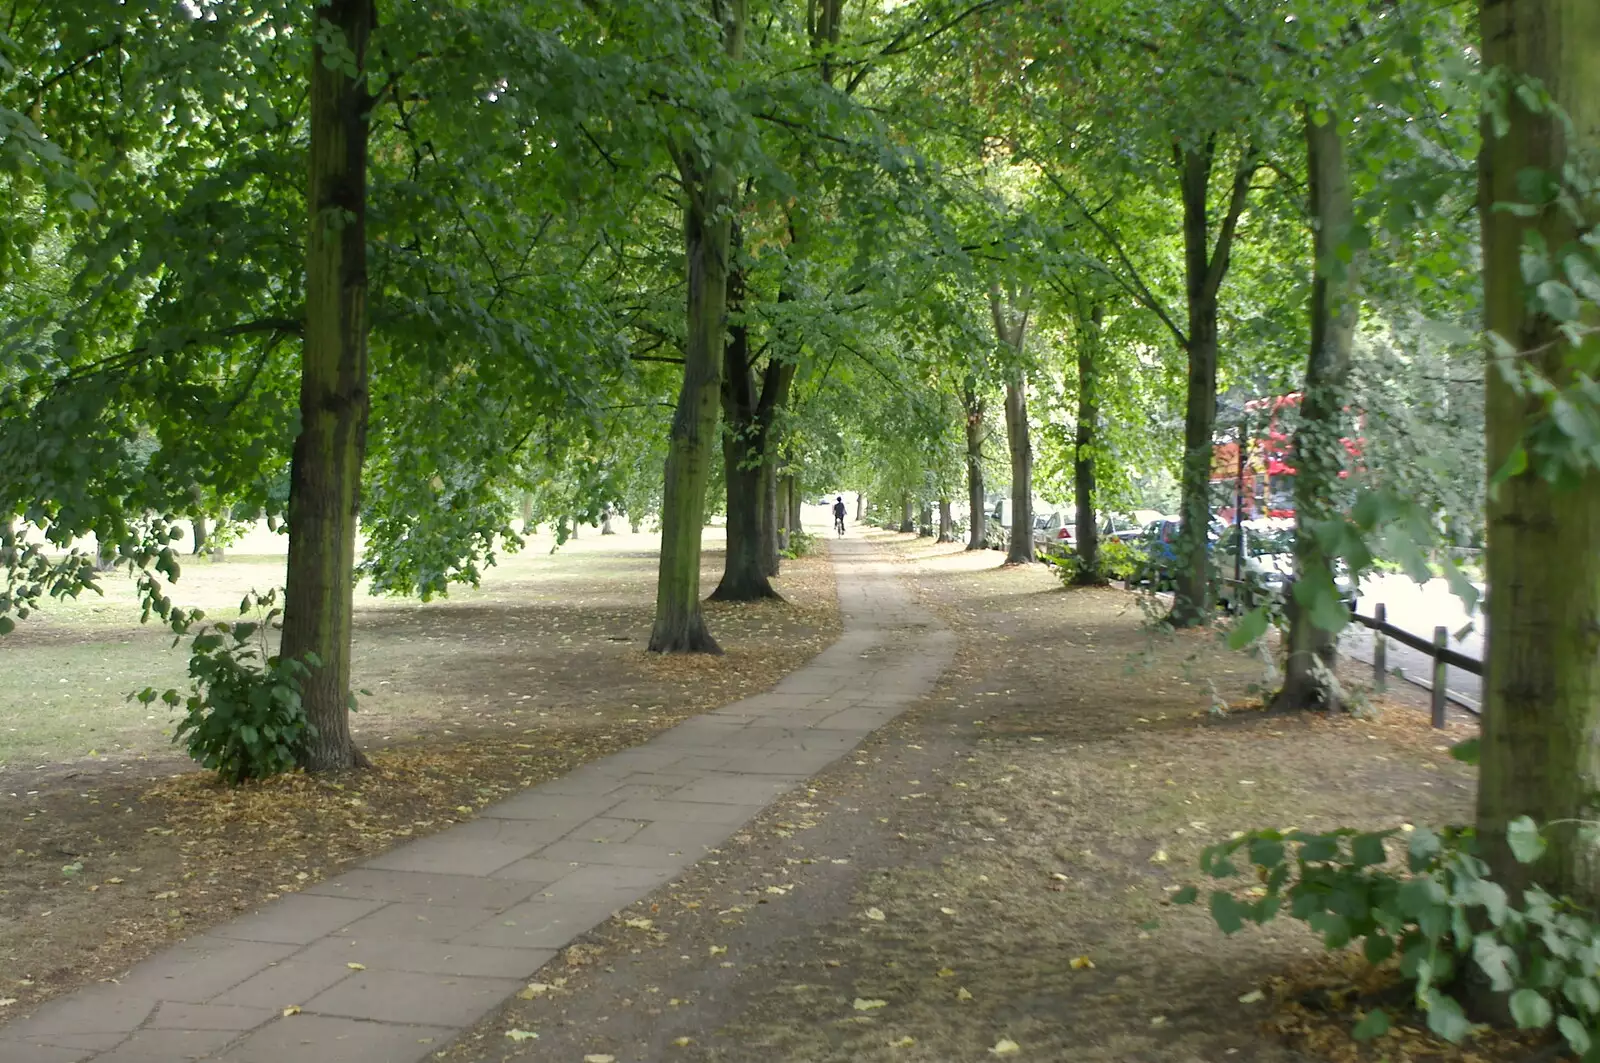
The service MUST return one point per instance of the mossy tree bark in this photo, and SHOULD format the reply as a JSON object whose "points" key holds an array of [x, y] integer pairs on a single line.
{"points": [[1205, 266], [925, 519], [908, 514], [947, 522], [1540, 753], [1319, 452], [1010, 310], [708, 190], [325, 469], [973, 405], [1089, 316]]}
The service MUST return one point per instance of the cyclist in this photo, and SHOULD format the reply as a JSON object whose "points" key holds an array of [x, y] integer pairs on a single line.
{"points": [[838, 514]]}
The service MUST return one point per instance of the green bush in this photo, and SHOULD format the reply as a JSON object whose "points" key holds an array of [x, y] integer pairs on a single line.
{"points": [[1442, 917], [1118, 560], [243, 717], [801, 543]]}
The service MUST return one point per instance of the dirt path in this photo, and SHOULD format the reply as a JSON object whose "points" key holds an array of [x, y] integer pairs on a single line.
{"points": [[993, 867]]}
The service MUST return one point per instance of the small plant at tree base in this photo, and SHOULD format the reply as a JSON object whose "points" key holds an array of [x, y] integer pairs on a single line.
{"points": [[243, 717], [1444, 919], [801, 543]]}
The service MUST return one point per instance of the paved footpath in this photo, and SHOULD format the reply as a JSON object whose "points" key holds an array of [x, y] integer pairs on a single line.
{"points": [[390, 961]]}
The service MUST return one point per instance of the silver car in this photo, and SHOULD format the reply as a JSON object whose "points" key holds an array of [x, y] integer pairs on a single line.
{"points": [[1268, 561]]}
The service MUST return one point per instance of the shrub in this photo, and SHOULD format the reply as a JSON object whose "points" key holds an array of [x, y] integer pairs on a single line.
{"points": [[1118, 560], [801, 543], [243, 717], [1442, 917]]}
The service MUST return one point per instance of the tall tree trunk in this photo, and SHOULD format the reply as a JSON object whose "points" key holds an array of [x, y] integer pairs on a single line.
{"points": [[708, 187], [605, 522], [861, 505], [908, 515], [201, 533], [977, 519], [1021, 551], [1319, 454], [1541, 711], [527, 513], [325, 470], [774, 535], [1011, 329], [792, 493], [947, 523], [925, 520], [1088, 528], [10, 542], [1204, 269], [744, 574]]}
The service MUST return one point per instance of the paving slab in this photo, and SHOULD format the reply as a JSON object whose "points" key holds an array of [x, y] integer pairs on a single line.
{"points": [[389, 961], [427, 888], [324, 1039]]}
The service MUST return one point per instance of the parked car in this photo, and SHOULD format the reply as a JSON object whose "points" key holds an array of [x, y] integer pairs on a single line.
{"points": [[1054, 531], [1159, 545], [1268, 563]]}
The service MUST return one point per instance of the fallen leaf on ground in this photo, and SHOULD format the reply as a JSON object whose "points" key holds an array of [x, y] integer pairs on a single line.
{"points": [[533, 990], [682, 1042], [875, 914], [903, 1042], [356, 966], [962, 994], [869, 1005], [292, 1009], [947, 972], [1005, 1047], [1251, 997], [639, 924], [598, 1058], [520, 1036], [948, 911], [1080, 962]]}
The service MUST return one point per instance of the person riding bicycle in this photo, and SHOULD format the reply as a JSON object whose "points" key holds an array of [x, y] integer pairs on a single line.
{"points": [[838, 514]]}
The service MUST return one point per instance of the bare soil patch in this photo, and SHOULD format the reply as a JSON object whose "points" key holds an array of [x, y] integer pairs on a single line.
{"points": [[476, 697], [994, 869]]}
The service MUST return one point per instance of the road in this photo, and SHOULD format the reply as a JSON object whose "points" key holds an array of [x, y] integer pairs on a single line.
{"points": [[1418, 609]]}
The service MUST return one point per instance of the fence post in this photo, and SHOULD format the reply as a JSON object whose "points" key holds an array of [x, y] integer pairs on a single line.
{"points": [[1441, 639], [1380, 649]]}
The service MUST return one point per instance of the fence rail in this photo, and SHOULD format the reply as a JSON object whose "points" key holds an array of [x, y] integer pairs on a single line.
{"points": [[1438, 651]]}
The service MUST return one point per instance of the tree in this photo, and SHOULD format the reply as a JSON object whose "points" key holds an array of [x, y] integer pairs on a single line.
{"points": [[1319, 450], [709, 187], [1010, 309], [1089, 316], [325, 473], [1542, 691]]}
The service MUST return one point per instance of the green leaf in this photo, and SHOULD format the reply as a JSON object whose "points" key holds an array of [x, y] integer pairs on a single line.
{"points": [[1495, 959], [7, 625], [1526, 843], [1530, 1009], [1374, 1023], [1251, 626], [1466, 751], [1227, 911], [1575, 1033], [1366, 850], [1187, 895], [1445, 1017], [81, 200]]}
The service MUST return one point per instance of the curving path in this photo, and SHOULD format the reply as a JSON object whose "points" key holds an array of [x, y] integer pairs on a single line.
{"points": [[389, 961]]}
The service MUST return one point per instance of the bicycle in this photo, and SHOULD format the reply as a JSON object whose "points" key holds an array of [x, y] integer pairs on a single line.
{"points": [[838, 525]]}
